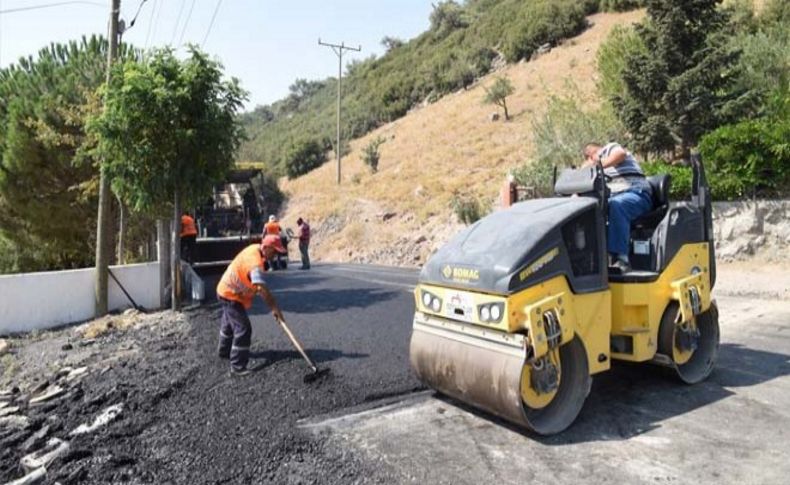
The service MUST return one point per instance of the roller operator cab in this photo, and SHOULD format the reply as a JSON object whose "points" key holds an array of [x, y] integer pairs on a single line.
{"points": [[518, 311]]}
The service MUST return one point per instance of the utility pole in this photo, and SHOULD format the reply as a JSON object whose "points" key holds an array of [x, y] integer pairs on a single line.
{"points": [[338, 49], [103, 225]]}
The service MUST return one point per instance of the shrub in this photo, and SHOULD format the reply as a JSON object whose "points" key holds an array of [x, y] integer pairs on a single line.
{"points": [[537, 176], [565, 128], [468, 209], [370, 154], [302, 157], [753, 155], [722, 186]]}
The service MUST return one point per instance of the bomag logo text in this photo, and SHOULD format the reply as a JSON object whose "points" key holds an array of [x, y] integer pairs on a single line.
{"points": [[461, 274], [538, 264]]}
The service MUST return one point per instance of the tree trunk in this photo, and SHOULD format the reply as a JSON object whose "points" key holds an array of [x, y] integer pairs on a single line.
{"points": [[121, 230], [175, 254], [163, 256], [504, 106]]}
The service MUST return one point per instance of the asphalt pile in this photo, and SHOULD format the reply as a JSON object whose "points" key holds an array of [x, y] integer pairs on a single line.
{"points": [[154, 405]]}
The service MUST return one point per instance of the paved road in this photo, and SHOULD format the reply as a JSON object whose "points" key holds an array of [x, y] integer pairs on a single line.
{"points": [[186, 420], [638, 425]]}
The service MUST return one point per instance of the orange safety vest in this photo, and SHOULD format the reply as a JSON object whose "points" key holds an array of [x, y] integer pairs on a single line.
{"points": [[272, 228], [235, 283], [188, 226]]}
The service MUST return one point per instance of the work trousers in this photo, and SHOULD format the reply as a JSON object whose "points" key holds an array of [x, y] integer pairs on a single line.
{"points": [[235, 334], [624, 207], [188, 244], [303, 245]]}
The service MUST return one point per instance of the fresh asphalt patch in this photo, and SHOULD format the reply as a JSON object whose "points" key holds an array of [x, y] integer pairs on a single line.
{"points": [[639, 424]]}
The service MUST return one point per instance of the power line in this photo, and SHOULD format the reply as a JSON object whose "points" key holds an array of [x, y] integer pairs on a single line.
{"points": [[139, 8], [178, 21], [49, 5], [210, 25], [150, 23], [184, 30]]}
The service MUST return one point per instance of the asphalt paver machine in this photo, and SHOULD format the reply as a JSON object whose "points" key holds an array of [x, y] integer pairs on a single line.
{"points": [[518, 311]]}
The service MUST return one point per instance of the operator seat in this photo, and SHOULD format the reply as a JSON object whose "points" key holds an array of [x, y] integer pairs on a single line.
{"points": [[659, 185]]}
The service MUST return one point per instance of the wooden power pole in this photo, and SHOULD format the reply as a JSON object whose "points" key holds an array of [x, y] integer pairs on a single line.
{"points": [[338, 49], [103, 225]]}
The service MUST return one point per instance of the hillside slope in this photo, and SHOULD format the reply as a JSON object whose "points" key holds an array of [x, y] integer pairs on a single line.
{"points": [[401, 214]]}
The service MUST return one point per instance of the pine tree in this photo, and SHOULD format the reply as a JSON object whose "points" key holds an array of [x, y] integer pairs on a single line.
{"points": [[680, 87]]}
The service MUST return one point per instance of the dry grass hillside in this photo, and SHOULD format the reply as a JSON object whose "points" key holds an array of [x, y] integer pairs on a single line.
{"points": [[401, 214]]}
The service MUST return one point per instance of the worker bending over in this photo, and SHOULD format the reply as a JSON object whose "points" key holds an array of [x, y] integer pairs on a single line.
{"points": [[630, 196], [244, 279]]}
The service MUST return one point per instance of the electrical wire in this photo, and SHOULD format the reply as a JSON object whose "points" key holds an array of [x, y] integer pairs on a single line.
{"points": [[184, 30], [150, 23], [48, 5], [178, 21], [210, 25], [139, 8]]}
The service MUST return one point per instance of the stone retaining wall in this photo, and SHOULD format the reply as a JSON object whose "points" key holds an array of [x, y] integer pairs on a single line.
{"points": [[758, 228]]}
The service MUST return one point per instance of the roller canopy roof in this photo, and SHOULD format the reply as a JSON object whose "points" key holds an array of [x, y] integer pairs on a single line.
{"points": [[486, 254]]}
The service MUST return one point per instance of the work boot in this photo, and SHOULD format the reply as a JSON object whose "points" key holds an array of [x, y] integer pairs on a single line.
{"points": [[251, 367], [240, 372], [620, 267]]}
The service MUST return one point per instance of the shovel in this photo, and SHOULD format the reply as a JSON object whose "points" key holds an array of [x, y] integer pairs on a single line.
{"points": [[317, 373]]}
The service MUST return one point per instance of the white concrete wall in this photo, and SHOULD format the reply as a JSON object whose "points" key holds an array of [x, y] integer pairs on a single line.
{"points": [[37, 301]]}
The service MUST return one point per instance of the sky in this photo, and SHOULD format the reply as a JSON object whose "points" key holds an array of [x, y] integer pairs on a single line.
{"points": [[267, 44]]}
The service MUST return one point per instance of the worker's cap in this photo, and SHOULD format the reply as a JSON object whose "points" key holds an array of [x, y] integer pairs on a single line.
{"points": [[272, 218], [257, 276], [299, 221], [273, 241]]}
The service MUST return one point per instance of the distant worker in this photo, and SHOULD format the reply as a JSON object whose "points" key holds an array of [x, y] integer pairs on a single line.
{"points": [[188, 237], [244, 279], [303, 233], [272, 227], [630, 196]]}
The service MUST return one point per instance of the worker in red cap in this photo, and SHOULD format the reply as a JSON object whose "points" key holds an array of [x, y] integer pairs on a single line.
{"points": [[244, 279]]}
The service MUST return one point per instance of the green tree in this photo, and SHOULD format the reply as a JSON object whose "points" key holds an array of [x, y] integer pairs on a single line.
{"points": [[622, 43], [168, 131], [681, 86], [302, 157], [48, 193], [498, 92]]}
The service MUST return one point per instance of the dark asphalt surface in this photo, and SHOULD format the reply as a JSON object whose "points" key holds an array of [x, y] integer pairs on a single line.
{"points": [[190, 421]]}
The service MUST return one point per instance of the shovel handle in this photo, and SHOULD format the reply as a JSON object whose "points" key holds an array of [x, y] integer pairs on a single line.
{"points": [[296, 344]]}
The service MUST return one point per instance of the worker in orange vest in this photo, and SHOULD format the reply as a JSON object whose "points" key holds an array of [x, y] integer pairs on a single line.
{"points": [[243, 279], [188, 237], [272, 227]]}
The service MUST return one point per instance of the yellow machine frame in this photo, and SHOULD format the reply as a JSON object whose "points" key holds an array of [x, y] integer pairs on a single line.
{"points": [[632, 310]]}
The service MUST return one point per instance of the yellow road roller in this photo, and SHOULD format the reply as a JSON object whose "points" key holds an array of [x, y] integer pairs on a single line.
{"points": [[517, 312]]}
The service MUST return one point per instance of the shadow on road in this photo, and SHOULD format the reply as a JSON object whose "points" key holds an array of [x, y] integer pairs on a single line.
{"points": [[328, 300], [632, 399], [316, 355]]}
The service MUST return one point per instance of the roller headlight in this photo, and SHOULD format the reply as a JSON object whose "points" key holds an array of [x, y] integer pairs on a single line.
{"points": [[485, 314], [496, 312], [436, 305], [426, 299], [491, 312], [431, 301]]}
